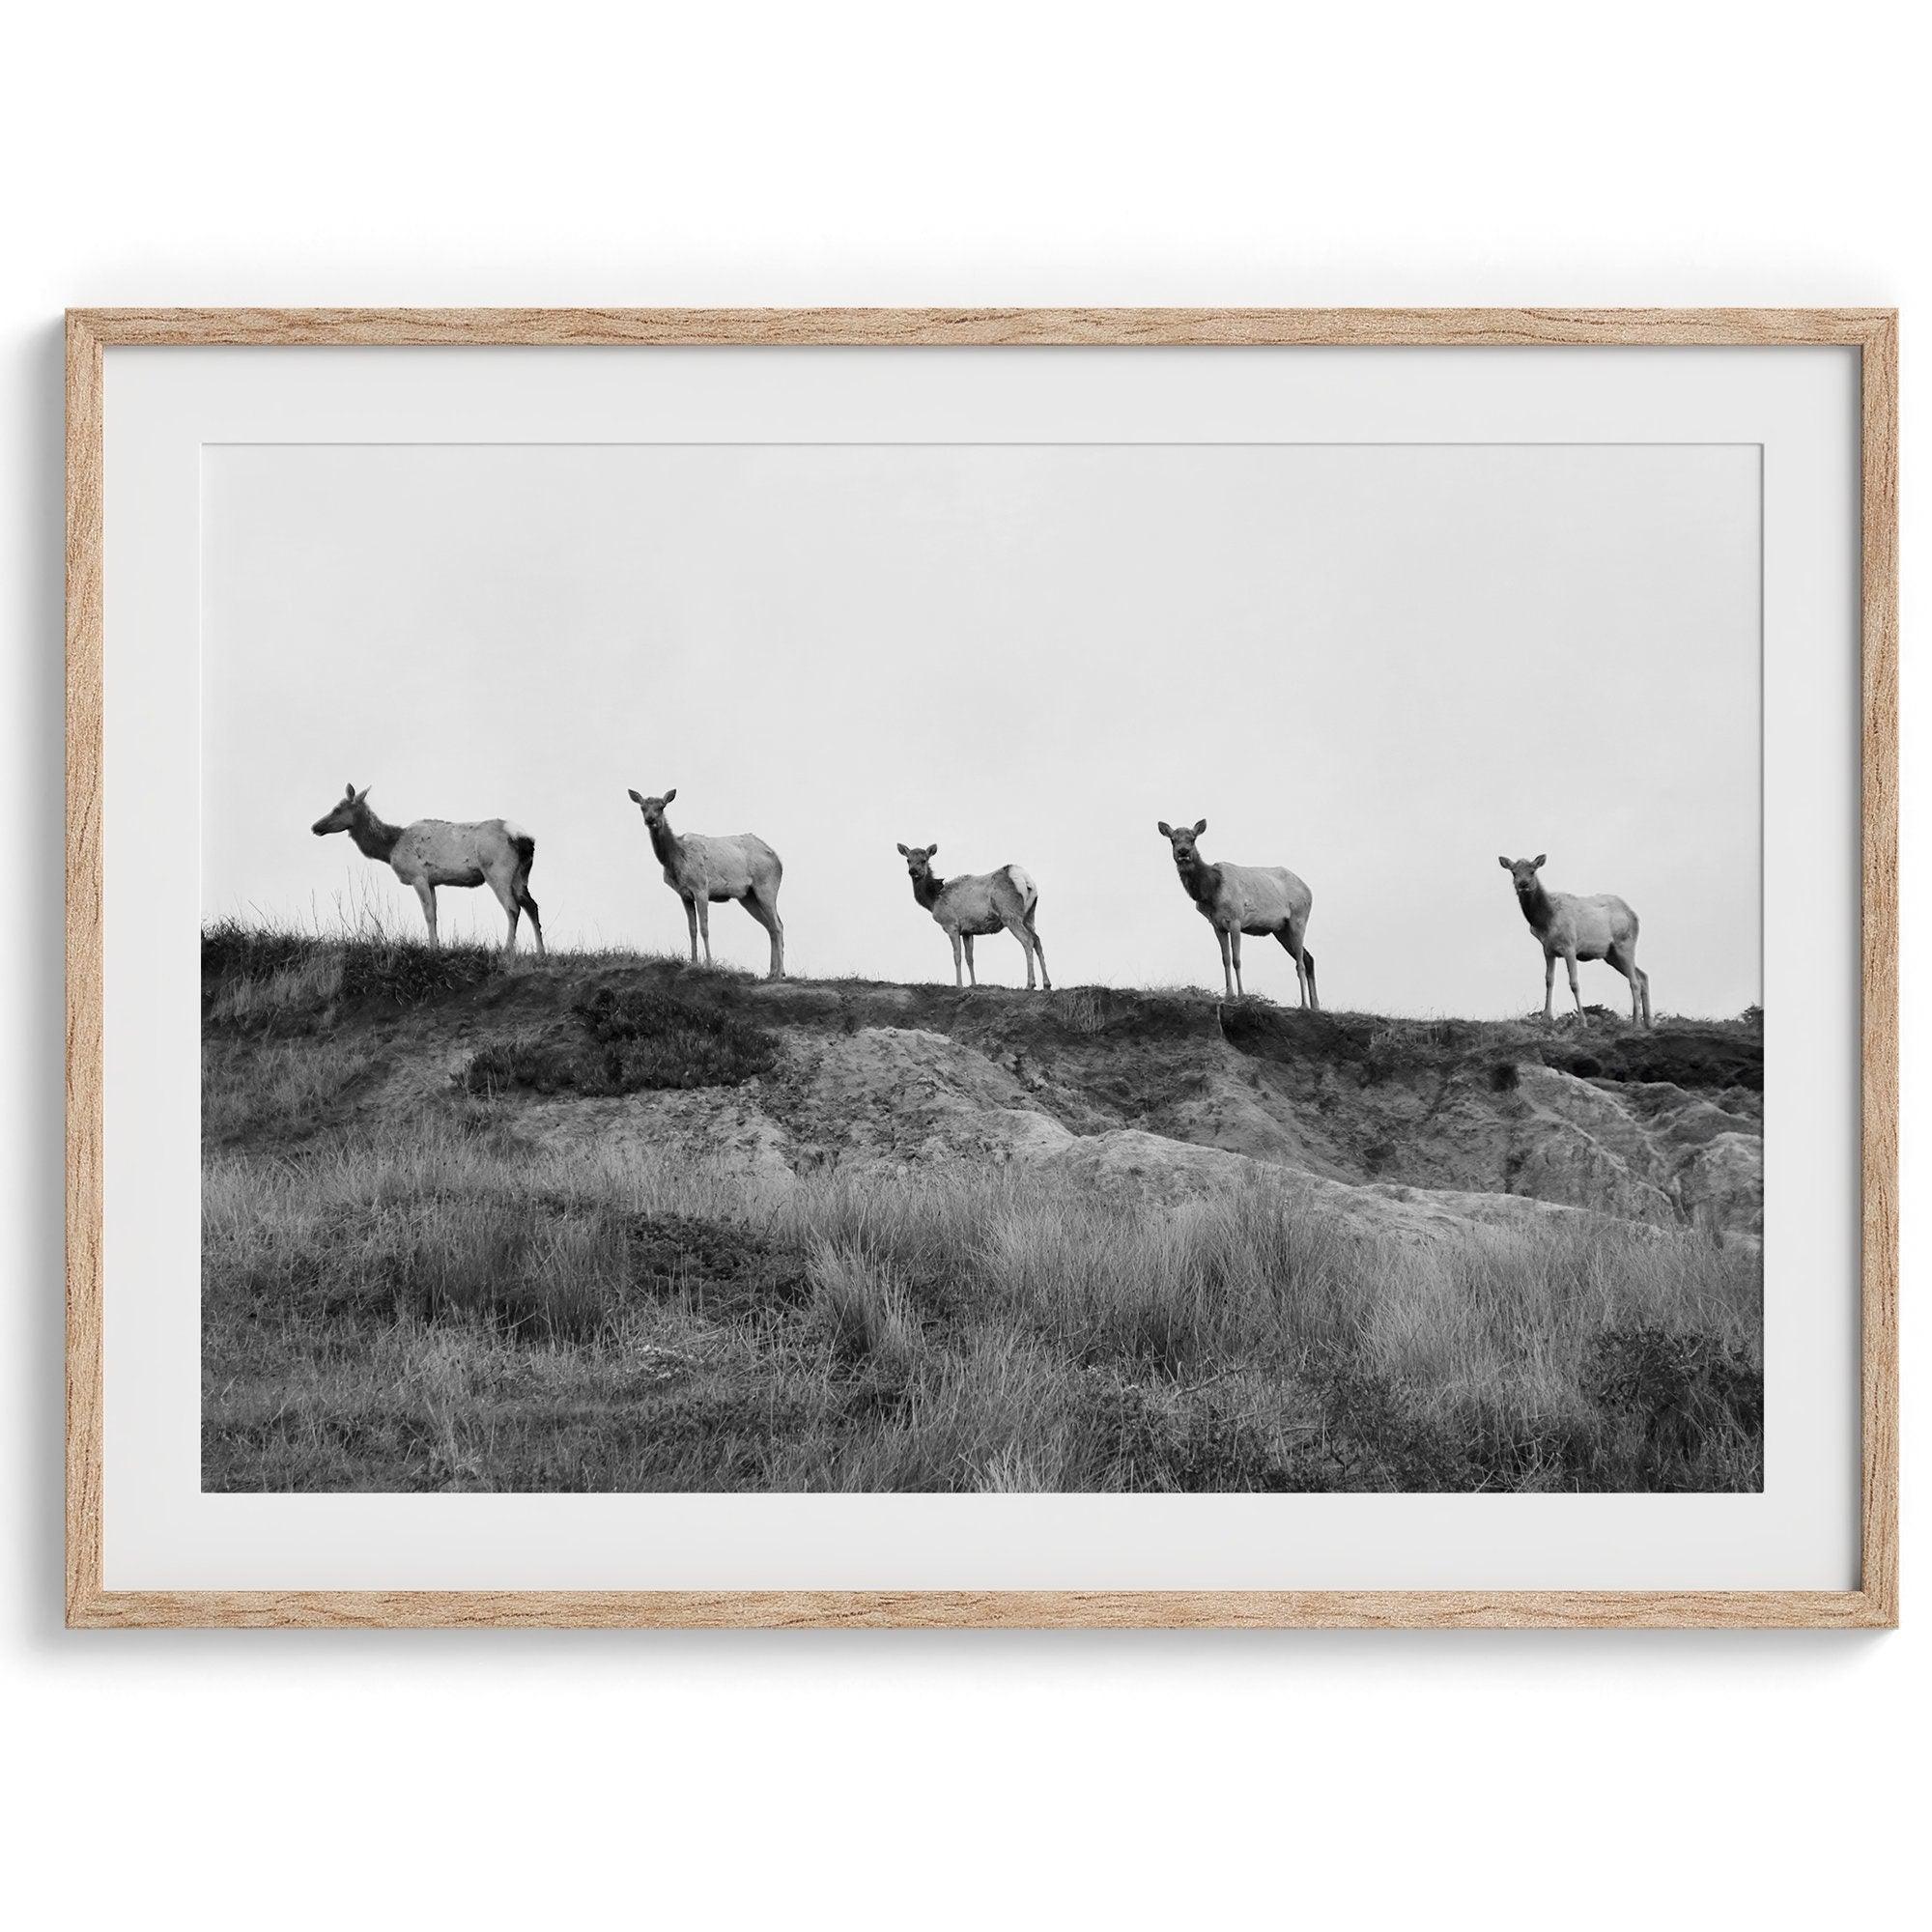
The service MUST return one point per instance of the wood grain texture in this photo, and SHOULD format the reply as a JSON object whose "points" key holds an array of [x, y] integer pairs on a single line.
{"points": [[1874, 1604], [983, 1610], [1041, 327], [85, 1057], [1879, 938]]}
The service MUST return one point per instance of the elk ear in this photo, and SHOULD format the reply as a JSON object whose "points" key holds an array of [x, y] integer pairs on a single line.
{"points": [[1502, 862], [637, 798], [1200, 826], [349, 790], [903, 852], [930, 850], [1541, 860], [670, 794], [361, 795], [1165, 829]]}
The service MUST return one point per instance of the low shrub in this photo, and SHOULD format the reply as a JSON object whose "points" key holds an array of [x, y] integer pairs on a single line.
{"points": [[1198, 1442], [404, 973], [1682, 1389], [721, 1270], [628, 1041]]}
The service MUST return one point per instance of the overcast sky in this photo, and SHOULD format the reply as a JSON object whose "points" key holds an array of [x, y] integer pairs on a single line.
{"points": [[1379, 666]]}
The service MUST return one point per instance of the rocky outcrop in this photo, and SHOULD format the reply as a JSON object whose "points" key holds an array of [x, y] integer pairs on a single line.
{"points": [[1410, 1151]]}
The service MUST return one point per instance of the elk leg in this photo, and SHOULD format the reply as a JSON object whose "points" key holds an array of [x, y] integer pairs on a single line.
{"points": [[1570, 960], [1041, 951], [777, 928], [426, 892], [1227, 973], [1234, 941], [506, 898], [774, 925], [690, 922], [703, 905], [768, 917], [969, 972], [1549, 985], [530, 905], [1616, 959], [1017, 927], [958, 979], [1291, 944], [1624, 959]]}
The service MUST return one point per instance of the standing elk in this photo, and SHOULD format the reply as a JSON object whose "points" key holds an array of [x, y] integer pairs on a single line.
{"points": [[704, 869], [977, 904], [1266, 901], [432, 852], [1573, 927]]}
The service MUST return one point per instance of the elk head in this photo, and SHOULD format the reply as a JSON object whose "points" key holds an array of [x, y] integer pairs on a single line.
{"points": [[1181, 837], [653, 809], [341, 815]]}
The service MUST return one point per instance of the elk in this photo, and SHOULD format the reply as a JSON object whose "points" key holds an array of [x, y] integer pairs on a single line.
{"points": [[704, 869], [432, 852], [976, 904], [1266, 901], [1574, 926]]}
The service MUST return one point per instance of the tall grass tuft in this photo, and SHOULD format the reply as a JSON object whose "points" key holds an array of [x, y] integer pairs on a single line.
{"points": [[863, 1308]]}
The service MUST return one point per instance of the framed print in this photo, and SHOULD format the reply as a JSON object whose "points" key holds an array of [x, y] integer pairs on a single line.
{"points": [[1008, 968]]}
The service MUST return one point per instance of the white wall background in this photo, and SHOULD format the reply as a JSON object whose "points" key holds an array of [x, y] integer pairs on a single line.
{"points": [[1408, 154]]}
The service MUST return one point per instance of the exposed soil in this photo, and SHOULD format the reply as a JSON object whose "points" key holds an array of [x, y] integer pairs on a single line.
{"points": [[1407, 1125]]}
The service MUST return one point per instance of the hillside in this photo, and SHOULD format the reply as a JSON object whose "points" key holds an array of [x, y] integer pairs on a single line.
{"points": [[1397, 1124], [605, 1222]]}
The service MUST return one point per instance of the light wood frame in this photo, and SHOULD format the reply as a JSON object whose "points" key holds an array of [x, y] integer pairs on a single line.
{"points": [[1873, 332]]}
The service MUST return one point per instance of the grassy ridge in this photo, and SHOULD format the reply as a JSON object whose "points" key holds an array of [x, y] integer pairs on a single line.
{"points": [[258, 980], [428, 1296]]}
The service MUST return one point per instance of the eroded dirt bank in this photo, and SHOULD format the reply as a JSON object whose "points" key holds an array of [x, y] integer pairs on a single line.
{"points": [[1410, 1126]]}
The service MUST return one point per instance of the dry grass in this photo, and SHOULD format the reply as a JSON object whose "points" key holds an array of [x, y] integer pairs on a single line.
{"points": [[406, 1287], [440, 1306]]}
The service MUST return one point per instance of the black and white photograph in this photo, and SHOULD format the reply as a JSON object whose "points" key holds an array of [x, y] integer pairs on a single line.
{"points": [[982, 968], [963, 968]]}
